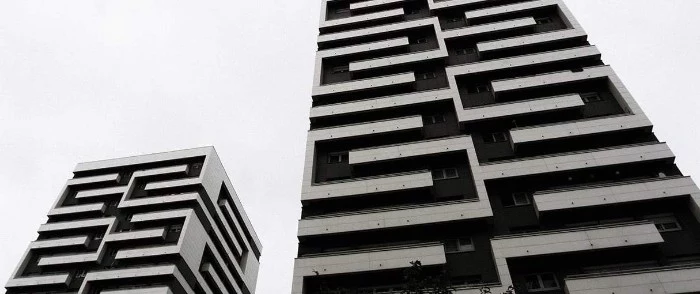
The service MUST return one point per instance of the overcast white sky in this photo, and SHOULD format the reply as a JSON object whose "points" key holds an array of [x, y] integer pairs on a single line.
{"points": [[90, 80]]}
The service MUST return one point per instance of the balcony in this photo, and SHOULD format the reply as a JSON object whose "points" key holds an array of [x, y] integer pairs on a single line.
{"points": [[394, 217], [511, 8], [529, 40], [379, 103], [408, 150], [550, 79], [614, 193], [366, 47], [576, 160], [149, 234], [363, 84], [363, 18], [375, 30], [61, 242], [370, 128], [525, 60], [677, 279], [172, 184], [109, 178], [571, 240], [369, 260], [368, 185], [372, 3], [521, 107], [76, 209], [489, 28], [98, 193], [144, 290], [47, 280], [577, 128], [412, 57]]}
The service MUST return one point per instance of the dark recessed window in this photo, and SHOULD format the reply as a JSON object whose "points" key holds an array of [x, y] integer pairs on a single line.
{"points": [[466, 51], [80, 274], [516, 199], [445, 173], [421, 40], [482, 88], [591, 97], [541, 282], [175, 228], [434, 119], [459, 245], [338, 157], [544, 20], [427, 76], [342, 10], [341, 69], [495, 137], [413, 11], [454, 19], [98, 236], [665, 223]]}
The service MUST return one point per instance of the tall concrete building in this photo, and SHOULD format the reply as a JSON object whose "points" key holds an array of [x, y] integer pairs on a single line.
{"points": [[160, 223], [486, 139]]}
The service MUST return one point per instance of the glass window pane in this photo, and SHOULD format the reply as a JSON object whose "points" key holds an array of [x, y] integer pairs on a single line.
{"points": [[532, 282], [451, 173], [437, 174], [549, 281]]}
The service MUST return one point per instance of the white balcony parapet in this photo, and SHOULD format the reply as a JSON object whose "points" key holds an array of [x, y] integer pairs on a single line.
{"points": [[379, 103], [397, 60], [576, 160], [435, 5], [158, 233], [61, 242], [489, 28], [119, 190], [383, 29], [372, 260], [408, 150], [159, 200], [571, 240], [94, 179], [503, 9], [136, 272], [490, 46], [363, 18], [170, 170], [147, 252], [173, 184], [370, 83], [74, 209], [522, 107], [550, 79], [370, 185], [90, 223], [614, 193], [68, 259], [524, 60], [372, 3], [394, 217], [366, 47], [578, 128], [57, 279], [146, 290], [665, 280], [370, 128]]}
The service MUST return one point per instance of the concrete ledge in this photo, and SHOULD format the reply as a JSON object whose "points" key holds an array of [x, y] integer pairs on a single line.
{"points": [[391, 258], [368, 186], [397, 60], [372, 3], [503, 9], [380, 103], [58, 279], [357, 85], [366, 47], [521, 107], [489, 28], [370, 128], [661, 280], [490, 46], [614, 193], [408, 150], [362, 18]]}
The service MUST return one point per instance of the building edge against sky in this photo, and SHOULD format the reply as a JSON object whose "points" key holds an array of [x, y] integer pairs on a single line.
{"points": [[160, 223], [487, 139]]}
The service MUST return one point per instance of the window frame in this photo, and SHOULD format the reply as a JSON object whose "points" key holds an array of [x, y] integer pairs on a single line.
{"points": [[423, 40], [443, 174], [428, 76], [546, 19], [515, 199], [466, 51], [661, 220], [341, 157], [591, 97], [433, 119], [460, 247], [540, 281], [492, 137]]}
